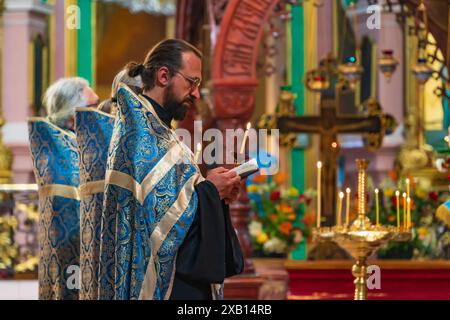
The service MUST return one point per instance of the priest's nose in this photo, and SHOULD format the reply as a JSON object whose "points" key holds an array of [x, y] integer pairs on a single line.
{"points": [[196, 93]]}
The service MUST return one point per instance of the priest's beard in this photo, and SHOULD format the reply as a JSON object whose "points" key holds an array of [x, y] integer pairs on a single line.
{"points": [[176, 108]]}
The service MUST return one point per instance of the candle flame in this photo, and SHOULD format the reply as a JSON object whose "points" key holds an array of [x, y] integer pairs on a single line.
{"points": [[376, 191], [408, 200], [341, 195], [199, 146], [407, 180], [319, 164], [248, 126], [404, 195], [397, 193], [348, 190]]}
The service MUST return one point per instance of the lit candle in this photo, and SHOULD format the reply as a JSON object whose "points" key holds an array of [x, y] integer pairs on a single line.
{"points": [[199, 149], [319, 167], [408, 215], [407, 187], [376, 207], [397, 195], [404, 209], [341, 196], [347, 207], [245, 137]]}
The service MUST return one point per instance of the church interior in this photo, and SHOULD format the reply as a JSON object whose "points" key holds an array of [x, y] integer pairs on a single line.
{"points": [[354, 91]]}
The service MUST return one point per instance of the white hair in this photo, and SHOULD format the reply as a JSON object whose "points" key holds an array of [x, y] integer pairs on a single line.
{"points": [[62, 97]]}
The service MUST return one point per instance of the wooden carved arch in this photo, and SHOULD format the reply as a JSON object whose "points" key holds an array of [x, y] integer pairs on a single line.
{"points": [[235, 57]]}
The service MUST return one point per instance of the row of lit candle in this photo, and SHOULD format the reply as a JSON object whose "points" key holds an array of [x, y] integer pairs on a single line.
{"points": [[406, 204], [406, 209]]}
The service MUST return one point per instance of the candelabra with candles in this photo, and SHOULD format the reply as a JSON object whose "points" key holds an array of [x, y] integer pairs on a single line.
{"points": [[360, 237]]}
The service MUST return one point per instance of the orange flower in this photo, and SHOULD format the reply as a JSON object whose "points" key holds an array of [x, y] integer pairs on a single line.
{"points": [[393, 175], [285, 228], [273, 217], [309, 219], [391, 218], [259, 179], [286, 208], [279, 178], [291, 217]]}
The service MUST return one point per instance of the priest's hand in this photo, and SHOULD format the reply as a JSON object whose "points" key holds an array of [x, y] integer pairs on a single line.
{"points": [[225, 181]]}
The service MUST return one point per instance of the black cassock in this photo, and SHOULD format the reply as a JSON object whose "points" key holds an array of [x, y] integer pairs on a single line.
{"points": [[211, 251]]}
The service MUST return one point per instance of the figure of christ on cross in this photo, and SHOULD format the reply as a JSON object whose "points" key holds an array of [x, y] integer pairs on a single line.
{"points": [[328, 124]]}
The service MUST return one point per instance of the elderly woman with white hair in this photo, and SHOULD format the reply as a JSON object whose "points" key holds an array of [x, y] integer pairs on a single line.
{"points": [[66, 94], [54, 154]]}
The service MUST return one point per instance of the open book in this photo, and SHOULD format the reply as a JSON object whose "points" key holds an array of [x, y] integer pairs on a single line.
{"points": [[247, 168]]}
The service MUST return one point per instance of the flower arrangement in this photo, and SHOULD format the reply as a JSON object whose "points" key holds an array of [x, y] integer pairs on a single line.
{"points": [[431, 231], [280, 219]]}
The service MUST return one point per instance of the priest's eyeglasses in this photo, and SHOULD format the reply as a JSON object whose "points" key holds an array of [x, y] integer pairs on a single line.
{"points": [[195, 82]]}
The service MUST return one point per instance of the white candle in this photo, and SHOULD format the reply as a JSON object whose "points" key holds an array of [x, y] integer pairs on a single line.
{"points": [[341, 197], [404, 209], [408, 213], [347, 207], [407, 187], [245, 138], [199, 149], [397, 195], [319, 168], [376, 207]]}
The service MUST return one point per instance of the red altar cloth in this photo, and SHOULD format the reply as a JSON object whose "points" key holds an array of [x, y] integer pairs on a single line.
{"points": [[400, 280]]}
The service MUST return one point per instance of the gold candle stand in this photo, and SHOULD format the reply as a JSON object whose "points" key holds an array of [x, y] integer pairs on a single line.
{"points": [[362, 238]]}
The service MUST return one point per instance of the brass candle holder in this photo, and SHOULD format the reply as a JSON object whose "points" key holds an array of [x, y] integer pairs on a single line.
{"points": [[361, 238]]}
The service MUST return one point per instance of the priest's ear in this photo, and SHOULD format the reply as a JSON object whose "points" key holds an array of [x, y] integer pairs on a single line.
{"points": [[163, 77]]}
